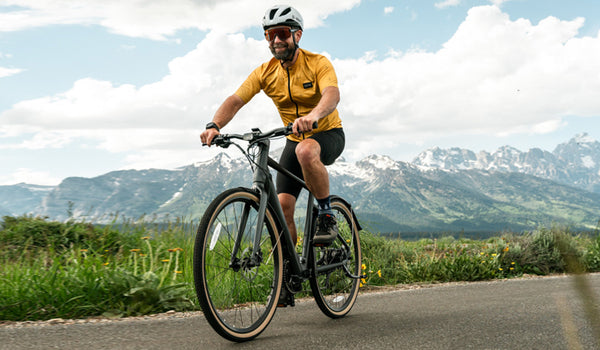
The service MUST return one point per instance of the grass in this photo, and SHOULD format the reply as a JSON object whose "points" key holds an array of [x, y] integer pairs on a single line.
{"points": [[78, 270]]}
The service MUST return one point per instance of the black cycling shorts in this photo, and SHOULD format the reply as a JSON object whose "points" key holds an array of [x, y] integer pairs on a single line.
{"points": [[332, 144]]}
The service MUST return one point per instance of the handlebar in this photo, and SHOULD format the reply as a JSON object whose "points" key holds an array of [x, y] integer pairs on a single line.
{"points": [[224, 140]]}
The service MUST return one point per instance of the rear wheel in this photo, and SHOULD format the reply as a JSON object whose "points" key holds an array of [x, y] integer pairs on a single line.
{"points": [[238, 298], [333, 289]]}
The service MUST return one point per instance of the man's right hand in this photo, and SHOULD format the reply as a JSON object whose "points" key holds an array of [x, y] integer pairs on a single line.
{"points": [[208, 135]]}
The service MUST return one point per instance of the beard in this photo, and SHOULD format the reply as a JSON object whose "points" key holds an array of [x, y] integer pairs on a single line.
{"points": [[285, 54]]}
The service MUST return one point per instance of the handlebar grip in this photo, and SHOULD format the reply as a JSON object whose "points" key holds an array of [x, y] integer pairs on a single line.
{"points": [[315, 125]]}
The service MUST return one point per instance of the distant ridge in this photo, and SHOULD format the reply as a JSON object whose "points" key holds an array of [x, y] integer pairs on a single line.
{"points": [[453, 190]]}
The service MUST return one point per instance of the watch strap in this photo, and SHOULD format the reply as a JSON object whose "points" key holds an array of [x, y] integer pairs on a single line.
{"points": [[212, 125]]}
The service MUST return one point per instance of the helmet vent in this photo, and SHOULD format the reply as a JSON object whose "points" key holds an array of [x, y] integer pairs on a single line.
{"points": [[286, 11], [272, 14]]}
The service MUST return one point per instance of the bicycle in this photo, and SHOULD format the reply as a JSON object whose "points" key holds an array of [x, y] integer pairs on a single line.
{"points": [[244, 254]]}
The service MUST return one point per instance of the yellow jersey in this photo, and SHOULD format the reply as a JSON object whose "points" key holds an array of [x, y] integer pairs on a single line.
{"points": [[295, 90]]}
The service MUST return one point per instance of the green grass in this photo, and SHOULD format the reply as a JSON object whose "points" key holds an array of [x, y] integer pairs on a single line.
{"points": [[78, 270]]}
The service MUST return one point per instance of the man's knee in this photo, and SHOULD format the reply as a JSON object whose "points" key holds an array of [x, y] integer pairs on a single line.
{"points": [[308, 151]]}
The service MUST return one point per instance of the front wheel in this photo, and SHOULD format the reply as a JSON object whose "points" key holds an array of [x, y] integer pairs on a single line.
{"points": [[333, 289], [237, 296]]}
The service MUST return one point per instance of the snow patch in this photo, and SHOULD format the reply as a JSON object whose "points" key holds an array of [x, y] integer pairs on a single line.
{"points": [[174, 198], [588, 162], [383, 162], [584, 139]]}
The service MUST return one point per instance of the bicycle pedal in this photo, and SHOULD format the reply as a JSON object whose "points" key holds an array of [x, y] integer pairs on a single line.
{"points": [[286, 299]]}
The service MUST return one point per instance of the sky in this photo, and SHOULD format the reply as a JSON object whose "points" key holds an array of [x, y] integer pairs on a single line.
{"points": [[88, 87]]}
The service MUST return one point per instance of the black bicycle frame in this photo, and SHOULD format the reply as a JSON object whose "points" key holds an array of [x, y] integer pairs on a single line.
{"points": [[263, 183]]}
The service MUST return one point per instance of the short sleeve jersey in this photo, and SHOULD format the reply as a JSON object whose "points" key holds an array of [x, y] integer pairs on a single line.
{"points": [[295, 90]]}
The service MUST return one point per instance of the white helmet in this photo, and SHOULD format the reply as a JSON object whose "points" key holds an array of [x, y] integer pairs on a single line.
{"points": [[282, 15]]}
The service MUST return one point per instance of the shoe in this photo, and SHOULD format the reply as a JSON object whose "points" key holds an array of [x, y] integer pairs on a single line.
{"points": [[286, 298], [326, 230]]}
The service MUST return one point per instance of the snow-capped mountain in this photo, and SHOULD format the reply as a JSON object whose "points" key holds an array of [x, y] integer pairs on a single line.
{"points": [[576, 162], [443, 190]]}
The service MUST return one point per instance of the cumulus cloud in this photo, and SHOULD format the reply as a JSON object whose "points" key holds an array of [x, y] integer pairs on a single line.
{"points": [[494, 76], [157, 19], [153, 120]]}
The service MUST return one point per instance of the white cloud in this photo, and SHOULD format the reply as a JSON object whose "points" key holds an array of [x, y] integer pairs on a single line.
{"points": [[162, 117], [29, 176], [447, 3], [495, 76], [157, 19], [387, 10], [7, 72], [498, 2]]}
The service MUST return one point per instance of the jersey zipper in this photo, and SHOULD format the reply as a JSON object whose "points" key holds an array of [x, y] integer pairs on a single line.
{"points": [[290, 92]]}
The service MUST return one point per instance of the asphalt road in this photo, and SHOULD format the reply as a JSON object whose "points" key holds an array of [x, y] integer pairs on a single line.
{"points": [[540, 313]]}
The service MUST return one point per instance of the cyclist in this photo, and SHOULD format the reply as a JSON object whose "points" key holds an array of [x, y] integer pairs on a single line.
{"points": [[303, 86]]}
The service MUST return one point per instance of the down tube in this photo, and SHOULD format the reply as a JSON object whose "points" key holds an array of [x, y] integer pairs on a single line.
{"points": [[289, 250]]}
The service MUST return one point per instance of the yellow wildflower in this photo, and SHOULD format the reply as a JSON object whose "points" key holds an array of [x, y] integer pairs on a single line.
{"points": [[165, 260], [379, 273], [364, 267], [135, 250], [146, 237]]}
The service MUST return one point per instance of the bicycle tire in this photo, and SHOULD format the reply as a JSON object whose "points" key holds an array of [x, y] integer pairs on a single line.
{"points": [[237, 304], [334, 291]]}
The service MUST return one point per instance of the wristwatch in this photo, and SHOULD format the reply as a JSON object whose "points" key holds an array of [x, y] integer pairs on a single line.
{"points": [[212, 125]]}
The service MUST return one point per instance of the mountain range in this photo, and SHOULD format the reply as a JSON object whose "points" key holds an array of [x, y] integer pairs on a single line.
{"points": [[441, 190]]}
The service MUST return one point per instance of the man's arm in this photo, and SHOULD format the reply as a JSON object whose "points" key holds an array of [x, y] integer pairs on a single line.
{"points": [[223, 116], [328, 103]]}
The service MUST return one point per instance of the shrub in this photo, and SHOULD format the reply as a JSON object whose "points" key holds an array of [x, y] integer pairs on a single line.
{"points": [[26, 233]]}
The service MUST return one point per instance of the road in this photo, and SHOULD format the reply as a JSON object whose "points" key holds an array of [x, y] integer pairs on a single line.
{"points": [[539, 313]]}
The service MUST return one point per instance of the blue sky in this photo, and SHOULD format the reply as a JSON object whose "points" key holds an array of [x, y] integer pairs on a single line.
{"points": [[106, 85]]}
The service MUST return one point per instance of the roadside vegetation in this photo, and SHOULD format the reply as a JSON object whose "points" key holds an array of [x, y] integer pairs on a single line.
{"points": [[78, 270]]}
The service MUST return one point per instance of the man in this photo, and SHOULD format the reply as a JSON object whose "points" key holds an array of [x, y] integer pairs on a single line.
{"points": [[303, 86]]}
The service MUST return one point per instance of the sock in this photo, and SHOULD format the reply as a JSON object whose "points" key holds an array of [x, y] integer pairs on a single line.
{"points": [[325, 205]]}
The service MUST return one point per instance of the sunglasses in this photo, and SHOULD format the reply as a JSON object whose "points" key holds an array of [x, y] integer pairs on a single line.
{"points": [[282, 32]]}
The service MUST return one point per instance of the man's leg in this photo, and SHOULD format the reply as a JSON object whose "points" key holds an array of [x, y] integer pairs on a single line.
{"points": [[315, 174], [317, 180], [288, 204]]}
